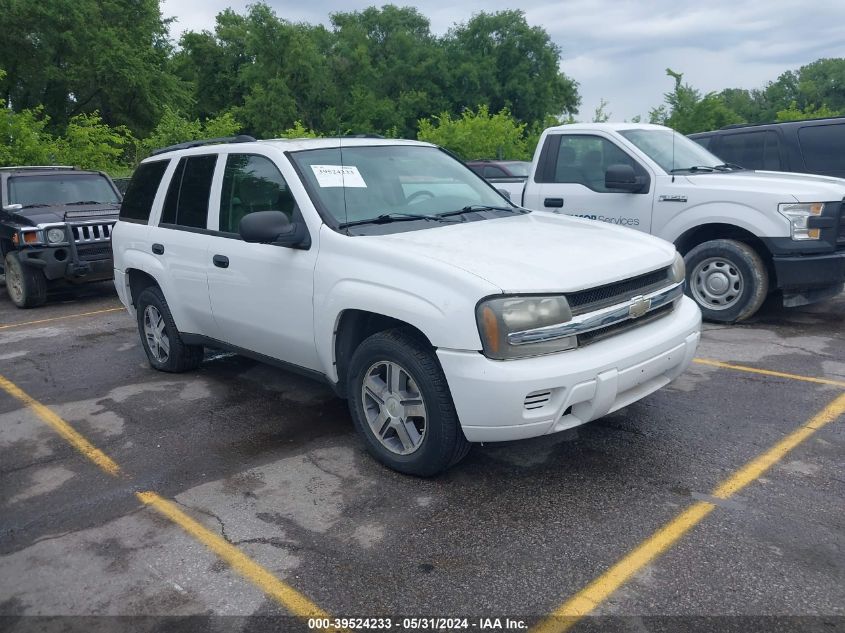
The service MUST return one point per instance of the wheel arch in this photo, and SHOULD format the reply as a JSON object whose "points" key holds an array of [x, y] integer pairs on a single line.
{"points": [[723, 231], [139, 281], [352, 328]]}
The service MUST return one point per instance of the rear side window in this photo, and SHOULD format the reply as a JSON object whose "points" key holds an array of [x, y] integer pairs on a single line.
{"points": [[138, 201], [186, 203], [823, 147], [752, 150]]}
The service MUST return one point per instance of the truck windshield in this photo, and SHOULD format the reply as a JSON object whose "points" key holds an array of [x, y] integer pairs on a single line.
{"points": [[368, 182], [61, 189], [687, 155]]}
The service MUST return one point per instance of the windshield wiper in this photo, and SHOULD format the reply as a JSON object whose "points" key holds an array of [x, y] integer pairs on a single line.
{"points": [[693, 169], [386, 218], [86, 202], [728, 167], [480, 207]]}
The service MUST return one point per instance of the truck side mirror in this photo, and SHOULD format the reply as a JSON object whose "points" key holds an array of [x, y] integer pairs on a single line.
{"points": [[622, 177], [274, 227]]}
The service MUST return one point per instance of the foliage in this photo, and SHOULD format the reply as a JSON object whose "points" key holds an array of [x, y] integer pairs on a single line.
{"points": [[174, 128], [477, 134], [601, 115], [794, 113], [298, 130], [24, 139], [91, 144]]}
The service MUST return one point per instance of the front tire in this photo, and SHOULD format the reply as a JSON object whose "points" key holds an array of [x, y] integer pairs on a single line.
{"points": [[401, 405], [727, 279], [25, 285], [159, 337]]}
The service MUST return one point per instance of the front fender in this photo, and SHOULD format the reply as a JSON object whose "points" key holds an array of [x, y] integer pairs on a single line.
{"points": [[743, 216]]}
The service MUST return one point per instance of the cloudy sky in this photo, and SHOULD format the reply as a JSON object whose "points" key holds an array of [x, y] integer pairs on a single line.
{"points": [[617, 49]]}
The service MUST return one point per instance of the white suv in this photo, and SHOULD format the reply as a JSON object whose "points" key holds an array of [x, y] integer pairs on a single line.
{"points": [[443, 313]]}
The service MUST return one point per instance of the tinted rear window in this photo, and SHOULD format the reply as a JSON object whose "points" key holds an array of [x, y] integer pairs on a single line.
{"points": [[138, 201], [752, 150], [823, 147], [186, 203]]}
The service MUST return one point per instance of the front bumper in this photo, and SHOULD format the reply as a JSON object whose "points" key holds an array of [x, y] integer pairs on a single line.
{"points": [[517, 399], [61, 262], [803, 272]]}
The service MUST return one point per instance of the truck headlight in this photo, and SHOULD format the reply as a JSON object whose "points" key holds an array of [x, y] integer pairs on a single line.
{"points": [[798, 214], [678, 270], [55, 235], [502, 316]]}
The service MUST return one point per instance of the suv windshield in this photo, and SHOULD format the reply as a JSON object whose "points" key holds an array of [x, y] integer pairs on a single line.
{"points": [[378, 180], [688, 155], [55, 189]]}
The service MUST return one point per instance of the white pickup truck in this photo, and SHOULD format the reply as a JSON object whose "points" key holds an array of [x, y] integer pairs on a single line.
{"points": [[391, 271], [743, 233]]}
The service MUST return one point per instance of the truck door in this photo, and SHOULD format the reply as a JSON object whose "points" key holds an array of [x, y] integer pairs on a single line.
{"points": [[570, 179]]}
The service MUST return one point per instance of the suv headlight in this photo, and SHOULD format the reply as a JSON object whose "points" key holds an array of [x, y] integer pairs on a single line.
{"points": [[798, 214], [678, 269], [501, 316], [55, 235]]}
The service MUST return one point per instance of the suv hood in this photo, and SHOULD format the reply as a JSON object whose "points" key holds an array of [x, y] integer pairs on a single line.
{"points": [[75, 213], [789, 186], [538, 252]]}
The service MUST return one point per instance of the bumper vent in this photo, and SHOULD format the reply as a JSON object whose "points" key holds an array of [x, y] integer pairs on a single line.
{"points": [[537, 400]]}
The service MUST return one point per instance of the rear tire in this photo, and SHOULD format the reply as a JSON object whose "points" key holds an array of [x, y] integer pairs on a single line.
{"points": [[727, 279], [25, 285], [401, 405], [159, 337]]}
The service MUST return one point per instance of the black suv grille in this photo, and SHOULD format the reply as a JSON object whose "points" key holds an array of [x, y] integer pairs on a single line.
{"points": [[618, 292], [93, 252]]}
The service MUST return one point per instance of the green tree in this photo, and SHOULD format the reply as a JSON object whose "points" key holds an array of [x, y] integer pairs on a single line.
{"points": [[687, 111], [83, 56], [794, 113], [498, 59], [601, 115], [477, 134], [90, 143], [174, 128], [24, 139]]}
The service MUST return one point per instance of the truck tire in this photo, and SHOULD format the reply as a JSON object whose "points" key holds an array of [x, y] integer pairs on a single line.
{"points": [[159, 337], [401, 405], [26, 285], [727, 279]]}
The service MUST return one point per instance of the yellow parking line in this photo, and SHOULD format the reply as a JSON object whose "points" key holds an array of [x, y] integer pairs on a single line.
{"points": [[59, 318], [286, 595], [767, 372], [61, 427], [283, 593], [600, 589]]}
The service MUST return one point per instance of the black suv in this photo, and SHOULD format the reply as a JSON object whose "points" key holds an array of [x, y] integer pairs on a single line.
{"points": [[814, 146], [55, 226]]}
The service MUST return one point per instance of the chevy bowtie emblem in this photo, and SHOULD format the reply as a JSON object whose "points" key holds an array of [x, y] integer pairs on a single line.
{"points": [[639, 306]]}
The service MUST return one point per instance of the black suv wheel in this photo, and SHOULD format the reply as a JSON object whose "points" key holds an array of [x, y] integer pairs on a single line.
{"points": [[26, 285]]}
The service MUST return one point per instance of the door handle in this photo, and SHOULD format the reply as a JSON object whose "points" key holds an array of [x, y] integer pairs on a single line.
{"points": [[553, 202], [221, 261], [158, 249]]}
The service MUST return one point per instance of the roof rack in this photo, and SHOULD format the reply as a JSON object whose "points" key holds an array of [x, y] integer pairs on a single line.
{"points": [[37, 167], [241, 138], [741, 125], [362, 136]]}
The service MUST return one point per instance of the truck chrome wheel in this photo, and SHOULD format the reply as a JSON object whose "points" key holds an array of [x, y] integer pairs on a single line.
{"points": [[155, 334], [394, 407], [716, 283]]}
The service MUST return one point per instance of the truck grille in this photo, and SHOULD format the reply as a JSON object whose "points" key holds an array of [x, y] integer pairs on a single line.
{"points": [[94, 232], [93, 252], [618, 292], [618, 328]]}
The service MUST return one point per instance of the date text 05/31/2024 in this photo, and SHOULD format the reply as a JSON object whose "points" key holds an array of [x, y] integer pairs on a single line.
{"points": [[420, 623]]}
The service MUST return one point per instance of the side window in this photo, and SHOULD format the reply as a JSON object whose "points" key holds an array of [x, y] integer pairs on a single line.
{"points": [[138, 201], [186, 203], [704, 141], [491, 171], [822, 146], [584, 160], [752, 150], [252, 183]]}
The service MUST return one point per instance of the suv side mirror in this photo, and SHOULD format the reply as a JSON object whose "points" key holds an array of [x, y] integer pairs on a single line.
{"points": [[622, 177], [274, 227]]}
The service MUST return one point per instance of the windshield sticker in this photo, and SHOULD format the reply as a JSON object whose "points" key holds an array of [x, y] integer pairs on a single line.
{"points": [[338, 176]]}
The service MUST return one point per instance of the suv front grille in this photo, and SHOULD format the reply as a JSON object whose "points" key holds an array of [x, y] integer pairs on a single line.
{"points": [[618, 292], [93, 252], [91, 232], [618, 328]]}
